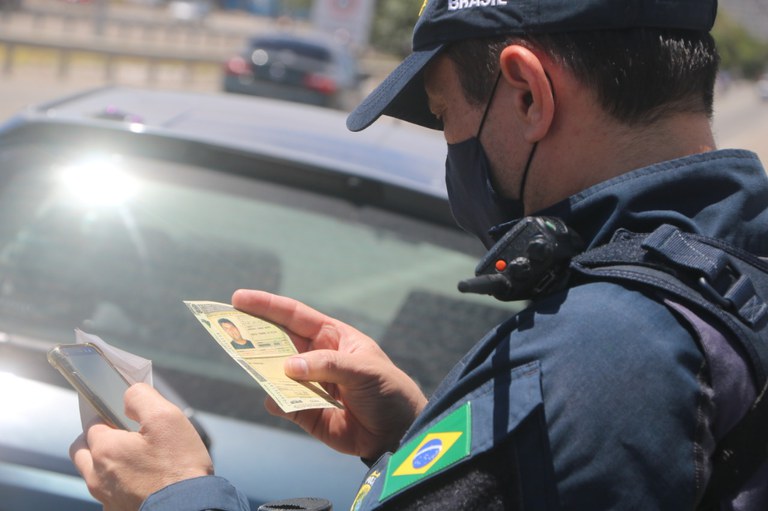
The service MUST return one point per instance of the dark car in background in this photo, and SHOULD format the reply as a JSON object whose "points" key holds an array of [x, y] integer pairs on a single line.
{"points": [[305, 68], [117, 204]]}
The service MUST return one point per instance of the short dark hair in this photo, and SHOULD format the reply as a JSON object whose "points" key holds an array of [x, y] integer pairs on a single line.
{"points": [[225, 320], [638, 75]]}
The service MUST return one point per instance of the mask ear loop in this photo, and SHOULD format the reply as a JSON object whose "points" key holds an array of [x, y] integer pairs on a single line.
{"points": [[524, 179], [488, 105]]}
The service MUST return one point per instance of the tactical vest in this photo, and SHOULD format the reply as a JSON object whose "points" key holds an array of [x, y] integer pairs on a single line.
{"points": [[720, 283], [723, 285]]}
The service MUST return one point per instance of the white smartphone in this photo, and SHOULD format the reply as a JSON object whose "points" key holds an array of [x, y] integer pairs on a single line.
{"points": [[87, 369]]}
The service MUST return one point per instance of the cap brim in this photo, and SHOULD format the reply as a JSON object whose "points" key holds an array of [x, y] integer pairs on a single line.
{"points": [[400, 95]]}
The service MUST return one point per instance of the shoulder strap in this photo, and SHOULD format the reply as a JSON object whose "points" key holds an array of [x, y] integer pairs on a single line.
{"points": [[716, 279], [724, 284]]}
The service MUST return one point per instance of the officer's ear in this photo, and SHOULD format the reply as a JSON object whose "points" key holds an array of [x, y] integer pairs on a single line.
{"points": [[533, 99]]}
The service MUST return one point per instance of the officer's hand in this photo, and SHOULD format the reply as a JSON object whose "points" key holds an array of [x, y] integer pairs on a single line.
{"points": [[380, 400], [122, 468]]}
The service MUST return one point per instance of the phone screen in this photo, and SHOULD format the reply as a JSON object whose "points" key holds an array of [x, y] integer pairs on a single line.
{"points": [[95, 378]]}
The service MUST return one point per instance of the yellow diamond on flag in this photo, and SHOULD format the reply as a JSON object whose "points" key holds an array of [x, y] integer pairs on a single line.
{"points": [[427, 453]]}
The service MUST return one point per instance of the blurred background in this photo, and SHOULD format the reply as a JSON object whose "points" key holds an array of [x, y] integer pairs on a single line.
{"points": [[50, 48]]}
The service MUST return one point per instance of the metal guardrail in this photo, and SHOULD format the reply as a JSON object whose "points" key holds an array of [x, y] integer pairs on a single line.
{"points": [[153, 26], [147, 37], [116, 37], [111, 54]]}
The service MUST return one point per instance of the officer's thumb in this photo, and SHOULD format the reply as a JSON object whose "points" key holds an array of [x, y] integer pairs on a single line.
{"points": [[296, 368], [324, 366]]}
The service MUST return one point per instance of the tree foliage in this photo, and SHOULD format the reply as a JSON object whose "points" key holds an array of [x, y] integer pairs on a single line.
{"points": [[741, 53], [296, 8], [393, 24]]}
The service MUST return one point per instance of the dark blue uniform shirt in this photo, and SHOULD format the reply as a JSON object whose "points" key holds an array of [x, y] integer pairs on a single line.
{"points": [[597, 397]]}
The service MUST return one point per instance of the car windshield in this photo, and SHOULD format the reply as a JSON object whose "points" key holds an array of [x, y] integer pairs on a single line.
{"points": [[113, 244]]}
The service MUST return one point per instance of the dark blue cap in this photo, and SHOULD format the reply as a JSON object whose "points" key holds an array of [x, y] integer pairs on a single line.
{"points": [[442, 22]]}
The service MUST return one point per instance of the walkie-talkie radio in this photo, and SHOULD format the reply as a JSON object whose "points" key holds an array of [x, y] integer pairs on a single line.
{"points": [[529, 260]]}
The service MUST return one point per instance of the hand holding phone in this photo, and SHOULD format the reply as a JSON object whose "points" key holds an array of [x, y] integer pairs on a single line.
{"points": [[95, 378]]}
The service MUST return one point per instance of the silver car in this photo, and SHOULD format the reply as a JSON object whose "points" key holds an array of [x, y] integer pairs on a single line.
{"points": [[116, 205]]}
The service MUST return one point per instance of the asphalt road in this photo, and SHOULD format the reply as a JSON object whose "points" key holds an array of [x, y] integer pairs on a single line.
{"points": [[741, 120]]}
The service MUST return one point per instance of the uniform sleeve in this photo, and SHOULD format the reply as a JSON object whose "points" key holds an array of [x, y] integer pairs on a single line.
{"points": [[198, 494], [465, 456], [577, 410], [490, 481]]}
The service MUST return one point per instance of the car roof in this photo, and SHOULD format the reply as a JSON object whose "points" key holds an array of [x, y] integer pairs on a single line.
{"points": [[390, 151], [294, 36]]}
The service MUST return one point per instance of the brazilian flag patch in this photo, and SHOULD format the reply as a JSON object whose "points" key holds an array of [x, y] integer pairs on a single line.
{"points": [[442, 445]]}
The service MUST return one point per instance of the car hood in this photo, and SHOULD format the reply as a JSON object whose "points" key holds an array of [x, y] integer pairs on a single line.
{"points": [[391, 151]]}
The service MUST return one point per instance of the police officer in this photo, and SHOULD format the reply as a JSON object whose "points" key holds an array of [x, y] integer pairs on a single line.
{"points": [[600, 396]]}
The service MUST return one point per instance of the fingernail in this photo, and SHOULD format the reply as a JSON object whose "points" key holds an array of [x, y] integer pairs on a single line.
{"points": [[296, 367]]}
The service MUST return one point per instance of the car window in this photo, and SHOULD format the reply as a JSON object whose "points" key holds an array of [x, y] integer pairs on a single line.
{"points": [[288, 61], [298, 48], [113, 244]]}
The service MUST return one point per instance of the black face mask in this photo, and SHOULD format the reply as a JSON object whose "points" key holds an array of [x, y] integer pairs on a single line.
{"points": [[475, 204]]}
